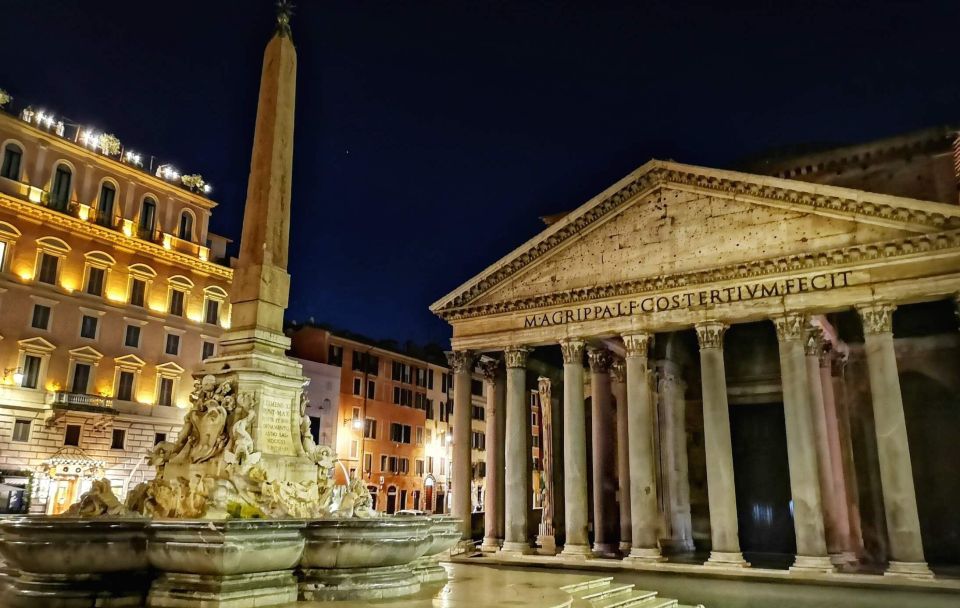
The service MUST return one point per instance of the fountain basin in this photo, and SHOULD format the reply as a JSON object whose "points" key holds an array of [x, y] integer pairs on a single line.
{"points": [[71, 562], [362, 558], [223, 564], [445, 532]]}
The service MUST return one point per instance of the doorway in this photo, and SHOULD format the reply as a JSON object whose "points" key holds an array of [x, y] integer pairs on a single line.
{"points": [[440, 506], [391, 500], [762, 478], [63, 493]]}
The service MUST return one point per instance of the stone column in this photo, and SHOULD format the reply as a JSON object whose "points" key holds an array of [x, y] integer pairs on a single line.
{"points": [[838, 493], [893, 450], [837, 363], [517, 455], [643, 471], [605, 523], [813, 349], [461, 469], [718, 447], [493, 499], [801, 446], [618, 386], [574, 452], [673, 446]]}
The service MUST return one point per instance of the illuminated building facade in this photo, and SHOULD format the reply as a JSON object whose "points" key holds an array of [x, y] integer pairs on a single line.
{"points": [[112, 290]]}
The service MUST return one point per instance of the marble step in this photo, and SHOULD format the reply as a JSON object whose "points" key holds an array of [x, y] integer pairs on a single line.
{"points": [[590, 584], [637, 599], [610, 590]]}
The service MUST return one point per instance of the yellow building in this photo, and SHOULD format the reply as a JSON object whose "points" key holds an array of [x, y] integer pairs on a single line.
{"points": [[111, 291]]}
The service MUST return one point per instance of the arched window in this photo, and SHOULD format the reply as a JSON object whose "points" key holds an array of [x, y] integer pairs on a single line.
{"points": [[108, 193], [186, 226], [12, 155], [148, 217], [60, 187]]}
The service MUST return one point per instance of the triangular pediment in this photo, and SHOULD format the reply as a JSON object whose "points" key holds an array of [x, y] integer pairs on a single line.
{"points": [[86, 352], [672, 220]]}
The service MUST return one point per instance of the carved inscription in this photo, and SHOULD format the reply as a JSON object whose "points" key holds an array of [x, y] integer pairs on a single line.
{"points": [[276, 431]]}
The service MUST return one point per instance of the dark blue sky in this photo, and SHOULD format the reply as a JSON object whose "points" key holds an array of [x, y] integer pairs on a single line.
{"points": [[431, 135]]}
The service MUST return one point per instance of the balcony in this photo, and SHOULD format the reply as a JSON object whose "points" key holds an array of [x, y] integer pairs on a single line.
{"points": [[82, 402]]}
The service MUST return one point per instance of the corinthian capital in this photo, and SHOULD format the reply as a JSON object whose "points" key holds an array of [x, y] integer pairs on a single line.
{"points": [[488, 369], [790, 326], [813, 341], [516, 356], [876, 318], [460, 360], [710, 334], [618, 370], [637, 344], [572, 349], [600, 360]]}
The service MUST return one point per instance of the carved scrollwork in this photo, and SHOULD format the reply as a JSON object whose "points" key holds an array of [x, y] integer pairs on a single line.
{"points": [[460, 360], [516, 356], [637, 344], [488, 369], [876, 318], [572, 349], [600, 360], [710, 334], [790, 326]]}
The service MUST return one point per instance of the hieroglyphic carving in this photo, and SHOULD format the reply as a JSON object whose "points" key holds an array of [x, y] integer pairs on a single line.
{"points": [[877, 318]]}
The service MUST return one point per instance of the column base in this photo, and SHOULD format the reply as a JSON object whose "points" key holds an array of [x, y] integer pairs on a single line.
{"points": [[515, 549], [624, 548], [608, 550], [843, 559], [812, 563], [577, 552], [726, 559], [644, 555], [490, 544], [546, 544], [464, 546], [909, 570]]}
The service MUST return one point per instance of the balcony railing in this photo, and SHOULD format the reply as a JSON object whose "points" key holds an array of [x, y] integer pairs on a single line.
{"points": [[81, 401]]}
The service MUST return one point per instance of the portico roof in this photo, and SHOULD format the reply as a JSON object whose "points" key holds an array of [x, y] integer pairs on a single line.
{"points": [[882, 218]]}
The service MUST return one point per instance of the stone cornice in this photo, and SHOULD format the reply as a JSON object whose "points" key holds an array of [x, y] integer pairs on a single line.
{"points": [[77, 226], [754, 269], [907, 214]]}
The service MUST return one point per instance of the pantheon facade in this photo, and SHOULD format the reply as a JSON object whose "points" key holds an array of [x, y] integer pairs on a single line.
{"points": [[750, 363]]}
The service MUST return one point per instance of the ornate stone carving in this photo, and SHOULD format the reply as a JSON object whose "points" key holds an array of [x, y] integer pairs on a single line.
{"points": [[99, 501], [544, 390], [877, 318], [356, 501], [661, 174], [460, 360], [790, 326], [637, 344], [710, 334], [488, 369], [618, 370], [516, 356], [572, 349], [813, 341], [600, 360]]}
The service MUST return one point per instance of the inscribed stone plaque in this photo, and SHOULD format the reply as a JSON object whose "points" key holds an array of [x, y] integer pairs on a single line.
{"points": [[276, 431]]}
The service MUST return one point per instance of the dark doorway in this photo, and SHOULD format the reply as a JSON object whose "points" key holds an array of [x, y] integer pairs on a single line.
{"points": [[392, 501], [439, 508], [762, 478]]}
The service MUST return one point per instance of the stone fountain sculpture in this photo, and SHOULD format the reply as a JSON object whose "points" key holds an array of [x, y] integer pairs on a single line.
{"points": [[241, 511]]}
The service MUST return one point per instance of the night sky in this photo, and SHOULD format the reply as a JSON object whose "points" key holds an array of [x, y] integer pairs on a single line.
{"points": [[431, 135]]}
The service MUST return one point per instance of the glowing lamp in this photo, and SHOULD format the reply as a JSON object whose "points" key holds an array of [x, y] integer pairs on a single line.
{"points": [[68, 286], [358, 423], [83, 212], [18, 377], [35, 195], [204, 254], [127, 228], [25, 275], [449, 439], [167, 241]]}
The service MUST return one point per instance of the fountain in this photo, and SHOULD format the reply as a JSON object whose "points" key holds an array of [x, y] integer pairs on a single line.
{"points": [[242, 510]]}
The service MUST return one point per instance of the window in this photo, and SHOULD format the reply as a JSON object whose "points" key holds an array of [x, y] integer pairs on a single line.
{"points": [[176, 302], [21, 430], [166, 392], [420, 401], [41, 317], [354, 448], [335, 355], [148, 217], [138, 292], [392, 466], [371, 389], [404, 466], [402, 396], [419, 435], [536, 441], [118, 439], [444, 382], [125, 385], [81, 378], [368, 462], [400, 433], [159, 438], [60, 188], [12, 155], [49, 265], [72, 435], [132, 336], [533, 418], [172, 346], [430, 464], [95, 278], [477, 412], [429, 409], [383, 463], [211, 313], [31, 371], [478, 441], [370, 428], [185, 231], [208, 350], [443, 462], [88, 327], [366, 362], [421, 377], [357, 386], [429, 435], [430, 379], [418, 467], [105, 204], [476, 387]]}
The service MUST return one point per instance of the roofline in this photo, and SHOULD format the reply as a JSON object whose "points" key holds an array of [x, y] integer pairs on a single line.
{"points": [[929, 207]]}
